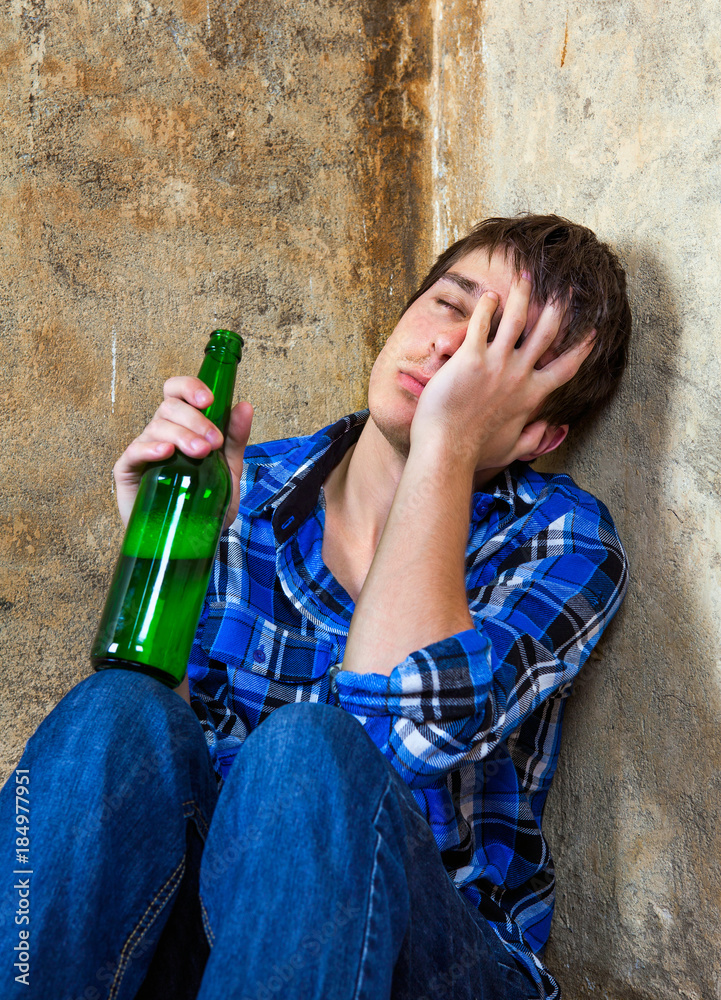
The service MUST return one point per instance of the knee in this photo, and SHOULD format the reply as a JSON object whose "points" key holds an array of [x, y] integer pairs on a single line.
{"points": [[307, 731], [116, 696], [113, 708], [307, 746]]}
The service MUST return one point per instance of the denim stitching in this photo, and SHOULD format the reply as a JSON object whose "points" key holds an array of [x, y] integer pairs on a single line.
{"points": [[206, 923], [196, 815], [366, 932], [167, 888]]}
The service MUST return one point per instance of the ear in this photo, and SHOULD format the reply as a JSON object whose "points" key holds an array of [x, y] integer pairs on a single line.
{"points": [[544, 437]]}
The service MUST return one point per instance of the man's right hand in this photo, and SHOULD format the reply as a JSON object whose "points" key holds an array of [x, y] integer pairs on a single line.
{"points": [[179, 423]]}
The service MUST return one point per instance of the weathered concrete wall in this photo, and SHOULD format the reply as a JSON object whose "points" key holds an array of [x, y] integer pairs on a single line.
{"points": [[607, 113], [166, 169], [286, 169]]}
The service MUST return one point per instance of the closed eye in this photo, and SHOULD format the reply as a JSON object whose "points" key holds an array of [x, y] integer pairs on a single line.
{"points": [[449, 305]]}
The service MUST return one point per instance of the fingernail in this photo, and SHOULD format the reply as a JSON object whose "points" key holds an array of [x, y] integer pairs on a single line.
{"points": [[212, 436], [196, 445], [493, 296], [526, 275], [158, 449], [201, 397]]}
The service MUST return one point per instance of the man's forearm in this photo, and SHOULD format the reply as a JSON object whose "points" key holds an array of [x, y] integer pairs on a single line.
{"points": [[415, 591]]}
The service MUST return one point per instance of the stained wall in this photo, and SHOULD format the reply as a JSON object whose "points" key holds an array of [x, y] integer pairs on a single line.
{"points": [[608, 113], [288, 170]]}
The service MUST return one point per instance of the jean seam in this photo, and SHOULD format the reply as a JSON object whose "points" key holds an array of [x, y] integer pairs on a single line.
{"points": [[203, 828], [369, 915], [144, 924], [196, 815], [206, 923]]}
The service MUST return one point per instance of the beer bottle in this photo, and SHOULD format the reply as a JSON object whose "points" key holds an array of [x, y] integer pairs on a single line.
{"points": [[157, 592]]}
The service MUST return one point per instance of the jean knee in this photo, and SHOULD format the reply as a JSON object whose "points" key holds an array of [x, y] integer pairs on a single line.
{"points": [[118, 711], [308, 747], [308, 730], [114, 689]]}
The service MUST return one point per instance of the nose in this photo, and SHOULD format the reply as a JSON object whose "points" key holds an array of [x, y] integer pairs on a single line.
{"points": [[447, 340]]}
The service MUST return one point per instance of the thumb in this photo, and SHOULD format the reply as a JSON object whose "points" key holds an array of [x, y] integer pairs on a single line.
{"points": [[538, 438], [241, 418]]}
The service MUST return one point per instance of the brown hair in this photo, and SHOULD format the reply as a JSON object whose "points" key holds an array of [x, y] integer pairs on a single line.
{"points": [[563, 259]]}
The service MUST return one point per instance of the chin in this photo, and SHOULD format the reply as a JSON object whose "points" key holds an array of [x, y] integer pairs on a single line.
{"points": [[398, 438], [391, 408], [394, 425]]}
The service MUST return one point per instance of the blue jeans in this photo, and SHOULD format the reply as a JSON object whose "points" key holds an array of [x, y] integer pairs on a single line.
{"points": [[312, 875]]}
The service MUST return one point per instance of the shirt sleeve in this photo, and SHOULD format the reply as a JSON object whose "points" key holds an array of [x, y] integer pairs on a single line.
{"points": [[536, 620]]}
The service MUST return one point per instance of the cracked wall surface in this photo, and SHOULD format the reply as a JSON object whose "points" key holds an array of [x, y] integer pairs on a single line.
{"points": [[288, 170]]}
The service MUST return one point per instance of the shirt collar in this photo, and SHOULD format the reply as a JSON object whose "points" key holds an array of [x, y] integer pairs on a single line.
{"points": [[300, 475], [503, 489]]}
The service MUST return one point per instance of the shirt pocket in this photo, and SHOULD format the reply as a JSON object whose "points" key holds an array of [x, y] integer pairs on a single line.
{"points": [[241, 639]]}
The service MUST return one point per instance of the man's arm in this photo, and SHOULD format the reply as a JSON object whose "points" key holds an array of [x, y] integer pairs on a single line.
{"points": [[415, 591]]}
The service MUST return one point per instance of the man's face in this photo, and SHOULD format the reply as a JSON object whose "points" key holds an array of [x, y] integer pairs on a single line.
{"points": [[428, 334]]}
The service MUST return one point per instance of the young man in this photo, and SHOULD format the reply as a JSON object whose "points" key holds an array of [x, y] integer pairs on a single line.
{"points": [[406, 566]]}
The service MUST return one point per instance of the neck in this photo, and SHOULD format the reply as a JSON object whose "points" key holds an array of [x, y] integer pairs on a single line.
{"points": [[360, 490]]}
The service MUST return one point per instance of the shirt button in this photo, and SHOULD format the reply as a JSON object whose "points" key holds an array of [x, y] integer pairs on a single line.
{"points": [[259, 656], [332, 674]]}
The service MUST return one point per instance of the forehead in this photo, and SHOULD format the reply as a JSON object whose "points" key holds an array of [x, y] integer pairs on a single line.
{"points": [[494, 275]]}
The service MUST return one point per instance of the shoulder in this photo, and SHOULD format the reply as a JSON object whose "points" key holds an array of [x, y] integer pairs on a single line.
{"points": [[299, 447], [550, 527], [548, 496], [269, 465], [277, 450]]}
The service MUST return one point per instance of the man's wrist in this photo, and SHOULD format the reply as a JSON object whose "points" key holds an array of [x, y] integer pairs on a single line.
{"points": [[440, 453]]}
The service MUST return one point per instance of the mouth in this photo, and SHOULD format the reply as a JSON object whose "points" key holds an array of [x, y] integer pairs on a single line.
{"points": [[414, 384]]}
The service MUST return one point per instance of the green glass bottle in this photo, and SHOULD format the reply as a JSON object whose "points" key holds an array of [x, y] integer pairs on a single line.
{"points": [[156, 596]]}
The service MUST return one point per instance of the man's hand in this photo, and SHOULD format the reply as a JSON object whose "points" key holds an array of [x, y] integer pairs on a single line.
{"points": [[480, 405], [178, 423]]}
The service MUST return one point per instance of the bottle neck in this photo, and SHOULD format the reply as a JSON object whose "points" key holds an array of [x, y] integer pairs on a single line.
{"points": [[218, 372]]}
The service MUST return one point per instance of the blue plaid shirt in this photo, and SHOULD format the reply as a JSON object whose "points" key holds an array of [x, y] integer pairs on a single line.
{"points": [[471, 723]]}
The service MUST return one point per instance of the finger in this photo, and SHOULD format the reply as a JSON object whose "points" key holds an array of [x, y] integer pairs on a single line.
{"points": [[236, 439], [566, 365], [131, 464], [479, 324], [191, 444], [189, 388], [180, 412], [515, 315], [545, 333]]}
